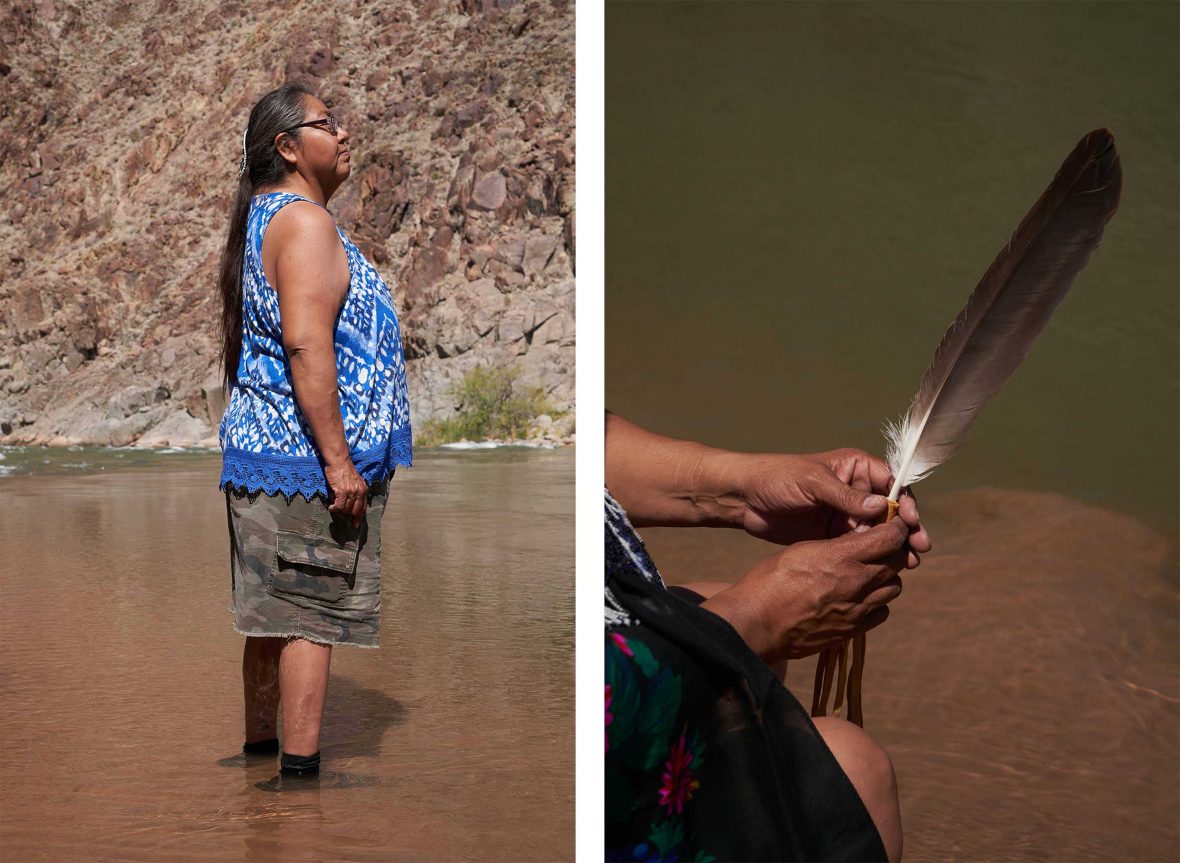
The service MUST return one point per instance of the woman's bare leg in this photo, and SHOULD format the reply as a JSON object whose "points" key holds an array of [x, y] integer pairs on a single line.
{"points": [[303, 684], [260, 682], [869, 769]]}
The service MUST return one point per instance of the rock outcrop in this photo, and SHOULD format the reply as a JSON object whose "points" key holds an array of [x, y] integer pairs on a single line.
{"points": [[119, 139]]}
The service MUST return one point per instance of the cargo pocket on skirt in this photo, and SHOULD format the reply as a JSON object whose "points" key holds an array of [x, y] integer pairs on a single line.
{"points": [[317, 567]]}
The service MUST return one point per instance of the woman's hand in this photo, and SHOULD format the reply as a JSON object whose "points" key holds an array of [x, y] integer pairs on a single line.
{"points": [[350, 493], [789, 498], [814, 595], [665, 482]]}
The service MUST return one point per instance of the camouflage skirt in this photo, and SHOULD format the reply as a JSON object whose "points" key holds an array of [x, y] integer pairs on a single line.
{"points": [[297, 570]]}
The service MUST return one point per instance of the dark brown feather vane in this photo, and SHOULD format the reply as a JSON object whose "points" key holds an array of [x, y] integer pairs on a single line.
{"points": [[1009, 308]]}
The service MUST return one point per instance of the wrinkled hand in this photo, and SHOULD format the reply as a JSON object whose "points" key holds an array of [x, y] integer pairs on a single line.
{"points": [[814, 595], [350, 493], [793, 498]]}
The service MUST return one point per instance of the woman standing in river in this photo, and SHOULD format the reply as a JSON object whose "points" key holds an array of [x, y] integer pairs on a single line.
{"points": [[317, 421]]}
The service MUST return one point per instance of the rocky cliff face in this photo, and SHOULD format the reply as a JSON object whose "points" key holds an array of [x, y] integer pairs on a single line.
{"points": [[120, 129]]}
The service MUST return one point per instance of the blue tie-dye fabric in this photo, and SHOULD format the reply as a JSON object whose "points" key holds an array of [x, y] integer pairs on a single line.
{"points": [[267, 443]]}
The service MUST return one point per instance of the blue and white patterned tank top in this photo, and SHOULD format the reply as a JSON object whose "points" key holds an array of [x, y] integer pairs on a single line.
{"points": [[266, 441]]}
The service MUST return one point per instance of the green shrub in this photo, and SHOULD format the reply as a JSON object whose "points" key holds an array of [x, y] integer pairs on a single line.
{"points": [[491, 403]]}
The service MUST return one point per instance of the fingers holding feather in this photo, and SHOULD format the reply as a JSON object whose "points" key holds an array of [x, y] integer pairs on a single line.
{"points": [[877, 543], [880, 475], [918, 539], [870, 473]]}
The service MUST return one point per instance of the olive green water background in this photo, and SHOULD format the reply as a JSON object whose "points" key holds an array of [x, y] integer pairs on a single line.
{"points": [[120, 673], [801, 196], [799, 199]]}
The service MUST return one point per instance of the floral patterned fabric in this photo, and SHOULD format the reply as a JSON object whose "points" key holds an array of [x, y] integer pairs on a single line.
{"points": [[708, 756], [655, 757], [266, 441]]}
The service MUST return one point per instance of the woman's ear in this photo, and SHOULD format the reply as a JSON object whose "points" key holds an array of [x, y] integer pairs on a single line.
{"points": [[285, 145]]}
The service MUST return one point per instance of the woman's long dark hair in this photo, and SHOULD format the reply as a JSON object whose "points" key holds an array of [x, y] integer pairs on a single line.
{"points": [[278, 110]]}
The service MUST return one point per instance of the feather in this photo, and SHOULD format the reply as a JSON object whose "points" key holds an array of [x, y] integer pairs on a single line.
{"points": [[1009, 308], [990, 337]]}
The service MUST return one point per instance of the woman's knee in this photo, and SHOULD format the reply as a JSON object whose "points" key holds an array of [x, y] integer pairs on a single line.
{"points": [[852, 746], [870, 770]]}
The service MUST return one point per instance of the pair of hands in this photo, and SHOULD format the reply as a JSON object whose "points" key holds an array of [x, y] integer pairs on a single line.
{"points": [[839, 570]]}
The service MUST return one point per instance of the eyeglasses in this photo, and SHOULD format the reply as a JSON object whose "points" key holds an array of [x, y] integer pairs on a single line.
{"points": [[330, 123]]}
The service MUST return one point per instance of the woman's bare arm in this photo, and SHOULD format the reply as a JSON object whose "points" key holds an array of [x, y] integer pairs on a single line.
{"points": [[311, 276], [664, 481], [774, 496]]}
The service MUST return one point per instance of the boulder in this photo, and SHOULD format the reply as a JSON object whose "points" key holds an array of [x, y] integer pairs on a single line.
{"points": [[490, 191], [538, 252], [178, 429]]}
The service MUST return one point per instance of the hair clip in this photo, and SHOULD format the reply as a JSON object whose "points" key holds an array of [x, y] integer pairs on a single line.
{"points": [[242, 164]]}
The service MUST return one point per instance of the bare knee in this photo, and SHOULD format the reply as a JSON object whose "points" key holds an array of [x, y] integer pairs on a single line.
{"points": [[863, 756], [870, 771]]}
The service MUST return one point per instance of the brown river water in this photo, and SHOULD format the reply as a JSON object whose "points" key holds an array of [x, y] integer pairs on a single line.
{"points": [[120, 686], [799, 198]]}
